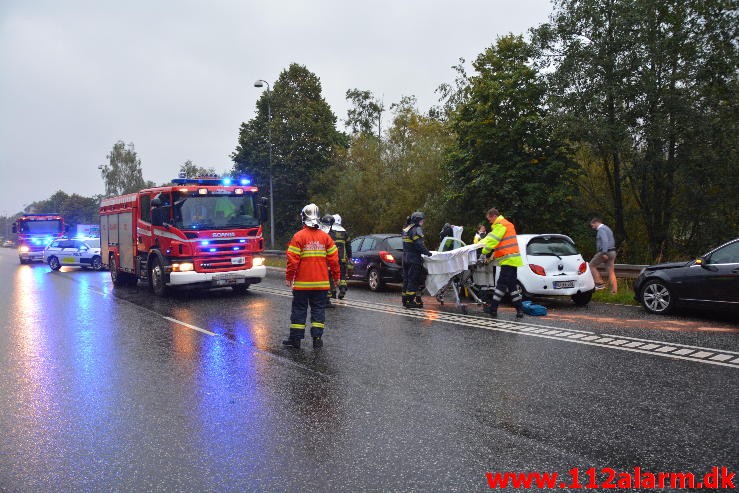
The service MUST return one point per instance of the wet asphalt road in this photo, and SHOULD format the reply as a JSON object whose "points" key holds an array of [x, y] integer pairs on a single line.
{"points": [[115, 390]]}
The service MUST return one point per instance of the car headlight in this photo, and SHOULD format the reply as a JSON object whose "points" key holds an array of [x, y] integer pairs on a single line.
{"points": [[23, 249], [257, 261]]}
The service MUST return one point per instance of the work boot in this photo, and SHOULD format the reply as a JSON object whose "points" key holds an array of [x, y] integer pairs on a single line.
{"points": [[519, 312], [292, 342], [419, 301], [342, 292], [317, 343], [412, 303], [405, 301]]}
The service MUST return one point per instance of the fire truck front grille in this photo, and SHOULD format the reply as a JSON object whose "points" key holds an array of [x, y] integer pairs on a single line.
{"points": [[220, 264]]}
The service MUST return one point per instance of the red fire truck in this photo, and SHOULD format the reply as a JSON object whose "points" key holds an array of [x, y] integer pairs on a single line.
{"points": [[35, 232], [196, 233]]}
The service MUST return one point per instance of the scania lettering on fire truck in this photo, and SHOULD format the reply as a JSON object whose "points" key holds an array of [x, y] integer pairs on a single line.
{"points": [[197, 233], [35, 232]]}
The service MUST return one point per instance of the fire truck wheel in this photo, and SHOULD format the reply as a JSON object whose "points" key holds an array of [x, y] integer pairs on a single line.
{"points": [[241, 288], [156, 278], [117, 277], [54, 263]]}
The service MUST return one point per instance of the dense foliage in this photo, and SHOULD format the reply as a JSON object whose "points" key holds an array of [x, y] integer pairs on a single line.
{"points": [[624, 109]]}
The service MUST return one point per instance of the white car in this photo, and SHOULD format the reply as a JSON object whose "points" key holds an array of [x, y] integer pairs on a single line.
{"points": [[75, 252], [554, 267]]}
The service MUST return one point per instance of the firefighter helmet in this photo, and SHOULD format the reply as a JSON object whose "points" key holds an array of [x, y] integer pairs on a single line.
{"points": [[326, 222], [337, 220], [417, 217], [309, 215]]}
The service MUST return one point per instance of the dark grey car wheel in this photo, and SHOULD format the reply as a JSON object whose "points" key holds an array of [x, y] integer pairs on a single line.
{"points": [[374, 279], [656, 297], [97, 263], [54, 263]]}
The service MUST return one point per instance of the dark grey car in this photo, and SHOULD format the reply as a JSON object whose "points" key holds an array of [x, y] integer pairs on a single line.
{"points": [[377, 259], [710, 280]]}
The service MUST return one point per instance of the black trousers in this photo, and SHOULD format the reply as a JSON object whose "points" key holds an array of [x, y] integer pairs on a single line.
{"points": [[414, 276], [302, 300], [506, 284]]}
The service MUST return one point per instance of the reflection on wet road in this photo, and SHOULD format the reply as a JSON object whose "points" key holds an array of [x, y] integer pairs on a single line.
{"points": [[104, 389]]}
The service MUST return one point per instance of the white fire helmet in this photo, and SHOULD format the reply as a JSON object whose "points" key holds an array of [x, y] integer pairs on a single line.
{"points": [[309, 215], [337, 220]]}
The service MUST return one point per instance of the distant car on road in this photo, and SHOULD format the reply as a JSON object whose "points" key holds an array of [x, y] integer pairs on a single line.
{"points": [[8, 244], [83, 253], [711, 280], [377, 259], [554, 267]]}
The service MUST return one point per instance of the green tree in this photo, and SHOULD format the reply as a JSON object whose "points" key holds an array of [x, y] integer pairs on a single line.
{"points": [[378, 183], [506, 154], [365, 111], [122, 174], [304, 143], [191, 170], [650, 87]]}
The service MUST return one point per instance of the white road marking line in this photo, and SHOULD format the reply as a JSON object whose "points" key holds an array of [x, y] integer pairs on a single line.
{"points": [[665, 349], [180, 322], [643, 346], [721, 357], [684, 351]]}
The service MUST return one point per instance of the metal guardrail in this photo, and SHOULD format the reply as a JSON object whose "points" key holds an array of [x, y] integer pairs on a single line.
{"points": [[622, 270]]}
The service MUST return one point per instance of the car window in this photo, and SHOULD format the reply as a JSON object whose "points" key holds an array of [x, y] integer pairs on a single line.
{"points": [[550, 245], [93, 242], [395, 242], [726, 255], [355, 243], [368, 244], [55, 244]]}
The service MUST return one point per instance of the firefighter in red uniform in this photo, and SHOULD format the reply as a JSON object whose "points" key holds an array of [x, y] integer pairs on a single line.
{"points": [[309, 253]]}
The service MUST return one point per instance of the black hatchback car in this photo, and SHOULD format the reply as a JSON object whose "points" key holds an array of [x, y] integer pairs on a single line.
{"points": [[710, 280], [377, 259]]}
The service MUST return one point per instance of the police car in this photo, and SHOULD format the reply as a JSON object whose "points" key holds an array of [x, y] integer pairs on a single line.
{"points": [[76, 252]]}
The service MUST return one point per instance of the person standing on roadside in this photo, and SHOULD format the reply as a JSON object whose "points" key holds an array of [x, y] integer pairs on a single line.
{"points": [[501, 242], [605, 244], [312, 257], [341, 237]]}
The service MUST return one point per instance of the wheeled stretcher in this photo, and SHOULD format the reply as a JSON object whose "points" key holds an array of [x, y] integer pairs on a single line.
{"points": [[452, 273]]}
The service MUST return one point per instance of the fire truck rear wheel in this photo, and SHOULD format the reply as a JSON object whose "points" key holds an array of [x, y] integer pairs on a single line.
{"points": [[156, 278]]}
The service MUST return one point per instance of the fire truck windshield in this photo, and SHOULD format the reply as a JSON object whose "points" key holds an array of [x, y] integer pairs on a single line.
{"points": [[42, 227], [213, 211]]}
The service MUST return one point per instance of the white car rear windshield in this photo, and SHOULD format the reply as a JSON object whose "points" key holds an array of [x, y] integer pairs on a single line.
{"points": [[548, 245]]}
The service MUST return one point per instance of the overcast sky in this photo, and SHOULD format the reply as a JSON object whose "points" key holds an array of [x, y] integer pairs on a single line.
{"points": [[176, 78]]}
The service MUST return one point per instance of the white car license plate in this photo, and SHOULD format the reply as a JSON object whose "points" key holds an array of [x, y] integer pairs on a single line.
{"points": [[563, 284], [238, 260]]}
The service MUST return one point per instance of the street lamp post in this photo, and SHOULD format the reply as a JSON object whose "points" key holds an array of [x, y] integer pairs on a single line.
{"points": [[261, 83]]}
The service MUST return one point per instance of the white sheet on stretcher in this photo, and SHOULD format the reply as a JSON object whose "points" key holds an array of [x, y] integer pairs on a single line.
{"points": [[442, 266]]}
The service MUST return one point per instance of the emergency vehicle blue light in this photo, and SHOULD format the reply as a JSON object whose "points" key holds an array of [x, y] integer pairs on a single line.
{"points": [[206, 242], [237, 248], [245, 181], [213, 250], [242, 241], [227, 181]]}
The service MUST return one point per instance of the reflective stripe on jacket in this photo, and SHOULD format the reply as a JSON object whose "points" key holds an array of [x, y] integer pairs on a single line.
{"points": [[309, 253], [502, 240]]}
